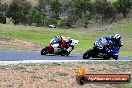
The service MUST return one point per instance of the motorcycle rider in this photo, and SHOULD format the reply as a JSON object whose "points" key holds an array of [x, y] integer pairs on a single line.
{"points": [[62, 41], [105, 47], [115, 41]]}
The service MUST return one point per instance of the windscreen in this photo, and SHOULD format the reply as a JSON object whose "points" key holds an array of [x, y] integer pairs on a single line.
{"points": [[56, 40], [101, 42]]}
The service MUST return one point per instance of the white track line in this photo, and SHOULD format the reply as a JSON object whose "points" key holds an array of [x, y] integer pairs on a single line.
{"points": [[52, 61]]}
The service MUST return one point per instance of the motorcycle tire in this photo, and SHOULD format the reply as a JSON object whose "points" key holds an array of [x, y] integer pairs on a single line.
{"points": [[62, 53], [67, 54], [44, 51], [106, 58], [88, 54], [115, 57]]}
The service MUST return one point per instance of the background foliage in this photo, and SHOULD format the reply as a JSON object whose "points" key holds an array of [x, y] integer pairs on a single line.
{"points": [[64, 13]]}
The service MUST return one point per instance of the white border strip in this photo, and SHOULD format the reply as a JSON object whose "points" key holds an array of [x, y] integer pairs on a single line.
{"points": [[53, 61]]}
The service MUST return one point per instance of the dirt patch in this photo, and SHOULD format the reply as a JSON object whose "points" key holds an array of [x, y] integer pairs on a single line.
{"points": [[57, 75], [7, 43]]}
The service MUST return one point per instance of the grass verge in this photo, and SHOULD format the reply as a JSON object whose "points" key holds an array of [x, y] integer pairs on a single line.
{"points": [[42, 36]]}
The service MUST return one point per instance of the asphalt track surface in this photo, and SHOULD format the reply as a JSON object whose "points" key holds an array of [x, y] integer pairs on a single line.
{"points": [[14, 55]]}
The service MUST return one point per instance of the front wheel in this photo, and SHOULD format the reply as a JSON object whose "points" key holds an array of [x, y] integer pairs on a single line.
{"points": [[44, 51], [64, 53], [115, 57], [67, 54], [87, 54]]}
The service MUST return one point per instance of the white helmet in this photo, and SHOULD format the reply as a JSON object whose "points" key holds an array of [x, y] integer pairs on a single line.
{"points": [[117, 36], [67, 39]]}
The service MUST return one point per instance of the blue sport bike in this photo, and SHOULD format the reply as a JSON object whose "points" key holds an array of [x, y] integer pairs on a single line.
{"points": [[102, 49]]}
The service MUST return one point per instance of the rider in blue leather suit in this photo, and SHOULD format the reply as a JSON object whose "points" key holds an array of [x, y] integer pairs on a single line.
{"points": [[116, 43]]}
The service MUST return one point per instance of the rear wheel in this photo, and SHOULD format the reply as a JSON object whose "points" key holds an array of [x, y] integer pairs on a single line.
{"points": [[44, 51], [106, 58], [87, 54]]}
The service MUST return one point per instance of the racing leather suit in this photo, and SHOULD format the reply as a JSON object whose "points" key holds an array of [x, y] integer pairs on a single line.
{"points": [[115, 44]]}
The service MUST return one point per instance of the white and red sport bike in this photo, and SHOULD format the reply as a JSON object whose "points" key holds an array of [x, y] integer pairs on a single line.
{"points": [[55, 48]]}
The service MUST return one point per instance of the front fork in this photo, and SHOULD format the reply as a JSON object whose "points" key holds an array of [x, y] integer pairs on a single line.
{"points": [[70, 49], [67, 51]]}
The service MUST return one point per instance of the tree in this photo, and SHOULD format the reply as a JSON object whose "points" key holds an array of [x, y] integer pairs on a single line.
{"points": [[82, 6], [68, 16], [105, 9], [18, 11], [54, 11], [38, 13], [46, 12], [43, 7], [82, 10], [2, 18], [3, 9], [123, 6], [37, 18]]}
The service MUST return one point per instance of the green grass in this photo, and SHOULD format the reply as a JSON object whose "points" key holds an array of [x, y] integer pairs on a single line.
{"points": [[41, 35]]}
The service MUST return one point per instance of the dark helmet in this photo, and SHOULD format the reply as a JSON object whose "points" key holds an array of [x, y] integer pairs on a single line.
{"points": [[58, 36]]}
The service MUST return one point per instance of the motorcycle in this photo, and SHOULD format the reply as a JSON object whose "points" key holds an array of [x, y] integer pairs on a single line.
{"points": [[54, 48], [102, 49]]}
